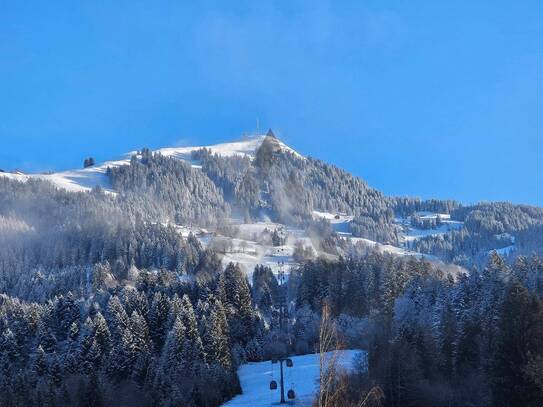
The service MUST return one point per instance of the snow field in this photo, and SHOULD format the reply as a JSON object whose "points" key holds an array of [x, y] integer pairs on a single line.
{"points": [[302, 377]]}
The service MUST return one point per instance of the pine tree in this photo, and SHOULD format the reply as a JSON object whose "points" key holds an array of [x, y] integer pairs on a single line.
{"points": [[140, 334], [40, 362], [235, 295], [92, 395], [9, 346], [55, 373], [217, 346], [117, 317], [520, 340], [101, 333], [46, 337], [192, 333], [175, 345], [158, 317]]}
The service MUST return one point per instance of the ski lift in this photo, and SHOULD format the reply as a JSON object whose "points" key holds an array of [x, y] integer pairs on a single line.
{"points": [[291, 395], [273, 385], [289, 363]]}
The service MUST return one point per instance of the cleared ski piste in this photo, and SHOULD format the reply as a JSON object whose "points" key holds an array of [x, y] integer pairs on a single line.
{"points": [[302, 377]]}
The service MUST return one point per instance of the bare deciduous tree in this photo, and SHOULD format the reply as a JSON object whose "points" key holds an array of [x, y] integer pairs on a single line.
{"points": [[333, 383]]}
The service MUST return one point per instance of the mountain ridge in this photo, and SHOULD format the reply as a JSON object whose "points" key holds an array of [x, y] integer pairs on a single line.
{"points": [[84, 179]]}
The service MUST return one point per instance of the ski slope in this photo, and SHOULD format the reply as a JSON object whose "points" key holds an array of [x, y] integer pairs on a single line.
{"points": [[302, 377], [80, 180], [83, 180]]}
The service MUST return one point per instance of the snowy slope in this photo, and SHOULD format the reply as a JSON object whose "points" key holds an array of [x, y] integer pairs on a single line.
{"points": [[249, 253], [81, 180], [411, 233], [245, 147], [302, 377], [340, 224]]}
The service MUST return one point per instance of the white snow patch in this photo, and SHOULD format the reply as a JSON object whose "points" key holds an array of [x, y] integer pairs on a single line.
{"points": [[386, 248], [504, 251], [338, 221], [446, 226], [245, 147], [81, 180], [410, 233]]}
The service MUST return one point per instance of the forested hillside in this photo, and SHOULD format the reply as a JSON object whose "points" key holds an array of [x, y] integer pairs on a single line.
{"points": [[153, 288]]}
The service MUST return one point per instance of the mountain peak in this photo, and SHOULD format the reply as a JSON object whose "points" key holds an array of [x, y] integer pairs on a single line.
{"points": [[270, 134], [79, 180]]}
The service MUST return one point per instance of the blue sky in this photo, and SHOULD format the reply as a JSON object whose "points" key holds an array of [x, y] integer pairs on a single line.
{"points": [[421, 98]]}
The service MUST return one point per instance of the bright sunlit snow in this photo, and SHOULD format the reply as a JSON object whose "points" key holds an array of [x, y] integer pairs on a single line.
{"points": [[82, 180], [302, 378]]}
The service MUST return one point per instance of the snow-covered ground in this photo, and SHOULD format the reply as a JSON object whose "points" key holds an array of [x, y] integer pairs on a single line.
{"points": [[409, 233], [82, 180], [446, 226], [340, 224], [302, 378], [506, 251], [249, 254], [246, 147], [387, 248], [338, 221]]}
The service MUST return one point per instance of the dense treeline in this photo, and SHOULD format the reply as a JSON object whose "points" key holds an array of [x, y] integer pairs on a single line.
{"points": [[488, 226], [103, 301], [435, 340], [164, 189], [405, 207], [51, 239], [288, 189], [157, 343]]}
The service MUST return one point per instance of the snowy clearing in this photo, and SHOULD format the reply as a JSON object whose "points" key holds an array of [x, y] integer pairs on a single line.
{"points": [[446, 226], [302, 377], [338, 221], [410, 233]]}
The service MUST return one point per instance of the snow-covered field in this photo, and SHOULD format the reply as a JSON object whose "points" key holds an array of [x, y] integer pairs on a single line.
{"points": [[81, 180], [411, 233], [302, 378], [446, 226], [340, 222]]}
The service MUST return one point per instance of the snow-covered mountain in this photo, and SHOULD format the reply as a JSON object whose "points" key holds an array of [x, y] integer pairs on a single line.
{"points": [[84, 179], [354, 211], [198, 261]]}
